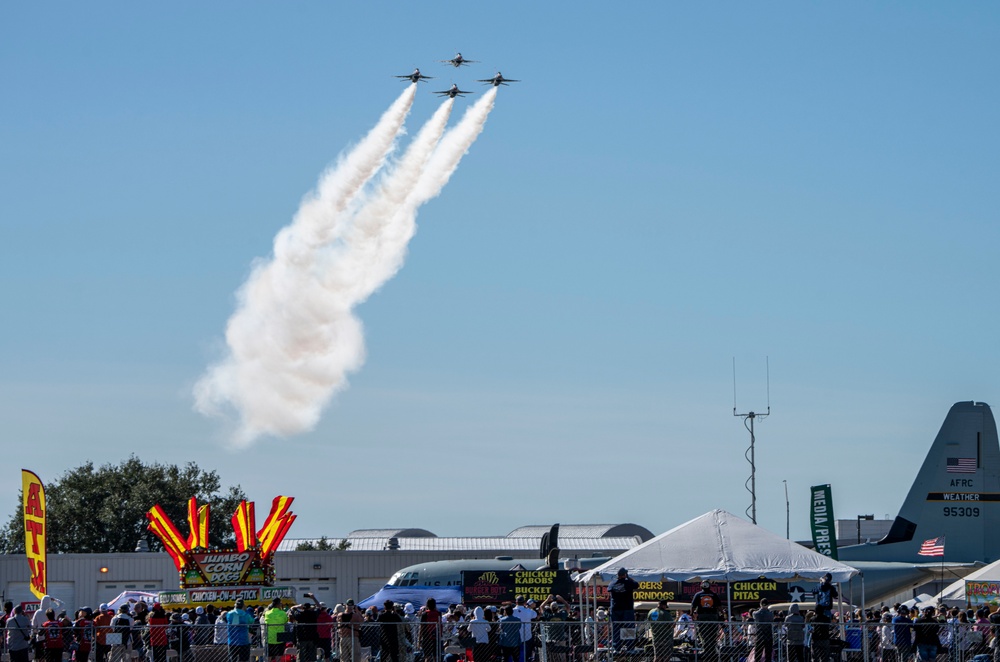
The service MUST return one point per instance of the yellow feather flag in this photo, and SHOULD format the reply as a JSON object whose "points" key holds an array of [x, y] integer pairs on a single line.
{"points": [[33, 495]]}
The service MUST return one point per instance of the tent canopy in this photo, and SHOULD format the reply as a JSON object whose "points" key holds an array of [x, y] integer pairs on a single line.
{"points": [[719, 546], [954, 594]]}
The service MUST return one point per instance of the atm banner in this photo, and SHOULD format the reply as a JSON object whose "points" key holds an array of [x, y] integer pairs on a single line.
{"points": [[33, 495], [496, 586]]}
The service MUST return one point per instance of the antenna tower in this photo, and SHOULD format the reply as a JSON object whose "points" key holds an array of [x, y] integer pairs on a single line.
{"points": [[748, 421]]}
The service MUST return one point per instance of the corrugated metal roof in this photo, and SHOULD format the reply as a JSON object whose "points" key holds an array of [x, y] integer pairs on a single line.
{"points": [[500, 544], [584, 531], [391, 533]]}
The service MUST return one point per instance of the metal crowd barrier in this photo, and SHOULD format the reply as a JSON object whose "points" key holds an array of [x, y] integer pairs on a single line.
{"points": [[549, 641]]}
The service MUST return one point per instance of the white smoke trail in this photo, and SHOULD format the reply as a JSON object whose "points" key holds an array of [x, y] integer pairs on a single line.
{"points": [[442, 164], [282, 362], [294, 338]]}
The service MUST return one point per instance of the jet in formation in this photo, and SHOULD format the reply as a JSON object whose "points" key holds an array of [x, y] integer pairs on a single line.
{"points": [[498, 80], [458, 61], [416, 76], [454, 92]]}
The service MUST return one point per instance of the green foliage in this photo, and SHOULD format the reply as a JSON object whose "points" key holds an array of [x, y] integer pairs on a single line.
{"points": [[103, 509], [322, 545]]}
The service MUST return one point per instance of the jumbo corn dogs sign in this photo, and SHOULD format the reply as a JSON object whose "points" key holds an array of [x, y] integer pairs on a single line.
{"points": [[249, 567]]}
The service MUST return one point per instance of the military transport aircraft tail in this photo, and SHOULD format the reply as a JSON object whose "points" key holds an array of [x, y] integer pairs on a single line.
{"points": [[956, 496]]}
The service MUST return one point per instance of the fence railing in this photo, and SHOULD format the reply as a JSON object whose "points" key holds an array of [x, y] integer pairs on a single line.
{"points": [[513, 641]]}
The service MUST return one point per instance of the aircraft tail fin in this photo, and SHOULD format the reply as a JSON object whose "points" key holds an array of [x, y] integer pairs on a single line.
{"points": [[956, 496]]}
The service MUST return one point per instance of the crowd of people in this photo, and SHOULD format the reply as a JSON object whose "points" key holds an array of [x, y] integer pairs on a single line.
{"points": [[522, 630]]}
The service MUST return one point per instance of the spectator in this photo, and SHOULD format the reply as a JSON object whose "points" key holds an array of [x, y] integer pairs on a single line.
{"points": [[275, 618], [158, 624], [83, 630], [661, 629], [220, 637], [391, 633], [510, 635], [480, 628], [820, 637], [52, 637], [926, 630], [430, 631], [705, 608], [622, 592], [526, 615], [886, 647], [763, 633], [324, 631], [825, 593], [902, 634], [238, 623], [348, 633], [305, 618], [202, 627], [795, 633], [121, 625], [102, 626], [18, 637]]}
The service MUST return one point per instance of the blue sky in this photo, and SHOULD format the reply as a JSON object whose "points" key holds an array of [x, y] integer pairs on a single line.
{"points": [[672, 185]]}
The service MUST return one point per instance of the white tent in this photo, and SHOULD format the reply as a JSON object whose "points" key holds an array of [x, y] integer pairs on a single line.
{"points": [[719, 546], [954, 594]]}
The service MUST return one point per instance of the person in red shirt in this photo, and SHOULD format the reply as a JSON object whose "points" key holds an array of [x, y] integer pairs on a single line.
{"points": [[429, 634], [52, 637], [158, 623], [83, 631]]}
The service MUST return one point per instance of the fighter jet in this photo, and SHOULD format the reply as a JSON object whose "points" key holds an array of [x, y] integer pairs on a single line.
{"points": [[416, 76], [454, 92], [498, 80], [458, 60]]}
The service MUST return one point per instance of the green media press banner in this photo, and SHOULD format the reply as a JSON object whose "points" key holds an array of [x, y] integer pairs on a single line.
{"points": [[821, 518]]}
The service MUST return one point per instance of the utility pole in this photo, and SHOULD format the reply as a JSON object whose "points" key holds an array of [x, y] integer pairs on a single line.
{"points": [[748, 422], [788, 512]]}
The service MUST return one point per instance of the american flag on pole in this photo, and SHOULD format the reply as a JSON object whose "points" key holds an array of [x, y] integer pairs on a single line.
{"points": [[961, 465], [932, 547]]}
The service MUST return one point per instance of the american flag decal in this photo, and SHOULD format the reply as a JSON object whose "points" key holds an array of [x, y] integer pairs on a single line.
{"points": [[932, 547], [961, 465]]}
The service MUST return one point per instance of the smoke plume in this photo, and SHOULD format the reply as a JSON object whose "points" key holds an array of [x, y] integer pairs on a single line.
{"points": [[294, 338]]}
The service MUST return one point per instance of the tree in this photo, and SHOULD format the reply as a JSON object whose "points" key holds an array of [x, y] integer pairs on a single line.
{"points": [[322, 545], [103, 509]]}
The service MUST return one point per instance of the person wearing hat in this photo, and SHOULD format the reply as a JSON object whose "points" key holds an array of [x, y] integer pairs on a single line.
{"points": [[305, 618], [274, 620], [622, 592], [826, 593], [526, 615], [705, 608], [661, 629], [121, 625], [18, 635], [763, 632], [238, 632], [902, 634], [202, 627], [102, 626]]}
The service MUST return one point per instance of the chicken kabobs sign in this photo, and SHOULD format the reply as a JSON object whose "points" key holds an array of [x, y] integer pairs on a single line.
{"points": [[201, 566]]}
